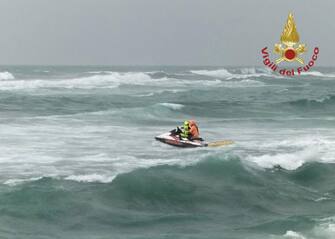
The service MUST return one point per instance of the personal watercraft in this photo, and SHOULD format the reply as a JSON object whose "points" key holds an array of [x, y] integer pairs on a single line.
{"points": [[173, 138], [176, 140]]}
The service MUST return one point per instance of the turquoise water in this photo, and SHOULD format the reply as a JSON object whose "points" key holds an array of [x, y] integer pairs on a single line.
{"points": [[79, 158]]}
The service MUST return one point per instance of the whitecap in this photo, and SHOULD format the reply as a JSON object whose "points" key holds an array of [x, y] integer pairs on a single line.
{"points": [[222, 73], [326, 228], [112, 80], [289, 161], [172, 106], [14, 182], [322, 199], [89, 178], [6, 76], [317, 73], [293, 235], [245, 73]]}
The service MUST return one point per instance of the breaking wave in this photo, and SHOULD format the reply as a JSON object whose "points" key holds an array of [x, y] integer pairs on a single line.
{"points": [[6, 76], [289, 161], [318, 74], [112, 80], [79, 157], [172, 106], [243, 73], [222, 73], [97, 81], [89, 178], [221, 190]]}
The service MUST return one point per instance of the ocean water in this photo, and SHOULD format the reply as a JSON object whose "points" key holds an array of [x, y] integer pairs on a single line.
{"points": [[79, 160]]}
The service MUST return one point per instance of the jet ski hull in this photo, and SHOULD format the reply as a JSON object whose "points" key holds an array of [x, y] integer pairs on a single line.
{"points": [[174, 140]]}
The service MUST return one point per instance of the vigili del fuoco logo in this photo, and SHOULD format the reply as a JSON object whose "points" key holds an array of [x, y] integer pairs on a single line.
{"points": [[290, 50]]}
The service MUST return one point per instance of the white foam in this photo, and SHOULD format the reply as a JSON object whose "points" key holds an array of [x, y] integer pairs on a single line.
{"points": [[110, 80], [14, 182], [312, 73], [89, 178], [291, 152], [145, 95], [289, 161], [86, 178], [293, 235], [96, 81], [325, 229], [6, 76], [317, 73], [305, 141], [172, 106], [245, 73], [322, 199], [222, 73], [211, 82], [100, 72]]}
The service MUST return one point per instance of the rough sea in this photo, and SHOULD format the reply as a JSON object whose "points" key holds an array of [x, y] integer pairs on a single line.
{"points": [[78, 157]]}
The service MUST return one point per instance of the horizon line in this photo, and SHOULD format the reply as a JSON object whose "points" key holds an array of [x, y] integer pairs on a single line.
{"points": [[137, 65]]}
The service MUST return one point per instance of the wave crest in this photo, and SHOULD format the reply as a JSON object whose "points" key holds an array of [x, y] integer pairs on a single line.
{"points": [[318, 74], [326, 100], [222, 73], [111, 80], [243, 73], [6, 76]]}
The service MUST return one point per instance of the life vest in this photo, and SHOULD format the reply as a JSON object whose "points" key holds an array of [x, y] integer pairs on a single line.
{"points": [[190, 130], [186, 130]]}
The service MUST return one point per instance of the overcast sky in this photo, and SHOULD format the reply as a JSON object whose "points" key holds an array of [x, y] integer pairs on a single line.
{"points": [[158, 32]]}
